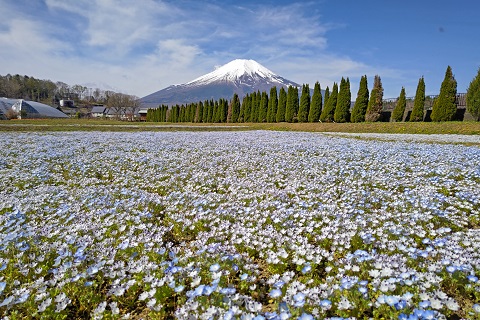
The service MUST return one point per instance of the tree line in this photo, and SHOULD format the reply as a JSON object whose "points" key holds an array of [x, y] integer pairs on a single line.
{"points": [[289, 105], [45, 91], [48, 92]]}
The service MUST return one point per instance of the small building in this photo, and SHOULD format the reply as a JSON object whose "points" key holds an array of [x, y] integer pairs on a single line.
{"points": [[142, 114], [98, 112], [102, 112]]}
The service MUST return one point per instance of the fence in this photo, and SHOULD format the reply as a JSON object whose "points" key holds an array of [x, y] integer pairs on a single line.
{"points": [[389, 105]]}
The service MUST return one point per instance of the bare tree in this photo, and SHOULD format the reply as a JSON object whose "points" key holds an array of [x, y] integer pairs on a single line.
{"points": [[123, 105], [133, 107], [116, 103]]}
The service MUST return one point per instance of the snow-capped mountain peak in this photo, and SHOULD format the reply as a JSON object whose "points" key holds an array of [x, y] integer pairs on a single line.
{"points": [[235, 70], [238, 76]]}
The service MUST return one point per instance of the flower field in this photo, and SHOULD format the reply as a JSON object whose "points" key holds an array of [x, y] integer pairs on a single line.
{"points": [[247, 225]]}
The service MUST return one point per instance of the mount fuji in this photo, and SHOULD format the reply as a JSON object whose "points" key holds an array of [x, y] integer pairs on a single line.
{"points": [[238, 76]]}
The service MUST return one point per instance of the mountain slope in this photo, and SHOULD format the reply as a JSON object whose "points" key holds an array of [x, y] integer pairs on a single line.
{"points": [[238, 76]]}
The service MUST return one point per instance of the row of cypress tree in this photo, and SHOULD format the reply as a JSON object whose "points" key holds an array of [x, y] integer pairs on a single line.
{"points": [[334, 106], [444, 105]]}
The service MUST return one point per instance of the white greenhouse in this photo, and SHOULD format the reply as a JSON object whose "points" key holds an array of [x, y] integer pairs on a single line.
{"points": [[28, 109]]}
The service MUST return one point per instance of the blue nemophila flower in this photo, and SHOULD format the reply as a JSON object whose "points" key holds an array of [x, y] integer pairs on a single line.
{"points": [[92, 270], [3, 284], [229, 315], [244, 276], [347, 283], [299, 299], [228, 291], [362, 290], [325, 304], [207, 290], [428, 314], [44, 305], [179, 288], [305, 316], [214, 267], [283, 308], [402, 304], [363, 283], [451, 269], [58, 260], [306, 268], [275, 293], [476, 307], [23, 298], [424, 304], [271, 315], [199, 290], [88, 284], [472, 278], [3, 267], [7, 301], [259, 317], [407, 296]]}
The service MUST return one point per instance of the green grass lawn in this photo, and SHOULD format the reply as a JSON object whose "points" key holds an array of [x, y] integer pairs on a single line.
{"points": [[112, 125]]}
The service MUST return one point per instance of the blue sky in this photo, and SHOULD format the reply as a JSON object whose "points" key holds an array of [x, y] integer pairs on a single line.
{"points": [[141, 46]]}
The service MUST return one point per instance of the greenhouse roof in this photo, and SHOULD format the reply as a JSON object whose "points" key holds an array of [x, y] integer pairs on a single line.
{"points": [[37, 109]]}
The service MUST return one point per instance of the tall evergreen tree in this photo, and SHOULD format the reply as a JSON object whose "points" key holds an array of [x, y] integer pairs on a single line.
{"points": [[216, 112], [258, 103], [419, 102], [342, 110], [473, 97], [209, 111], [445, 107], [291, 110], [296, 103], [224, 110], [199, 112], [241, 116], [316, 106], [262, 113], [399, 110], [329, 110], [235, 108], [253, 107], [246, 108], [326, 97], [375, 104], [282, 105], [304, 107], [272, 105], [361, 103]]}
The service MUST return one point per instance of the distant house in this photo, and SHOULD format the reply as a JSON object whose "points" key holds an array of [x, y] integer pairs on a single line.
{"points": [[99, 112], [142, 114], [105, 112]]}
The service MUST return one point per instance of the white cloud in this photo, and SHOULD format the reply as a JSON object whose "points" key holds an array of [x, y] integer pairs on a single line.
{"points": [[177, 52], [117, 26]]}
